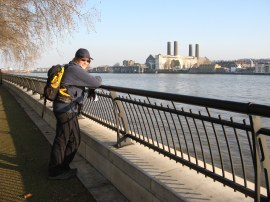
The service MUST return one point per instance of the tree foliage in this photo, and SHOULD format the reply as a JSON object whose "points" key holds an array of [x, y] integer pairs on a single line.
{"points": [[28, 26], [175, 63]]}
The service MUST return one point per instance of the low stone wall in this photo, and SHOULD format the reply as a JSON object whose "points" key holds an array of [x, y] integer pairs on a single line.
{"points": [[136, 171]]}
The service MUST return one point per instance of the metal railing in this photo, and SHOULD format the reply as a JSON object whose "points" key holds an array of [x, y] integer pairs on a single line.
{"points": [[223, 140]]}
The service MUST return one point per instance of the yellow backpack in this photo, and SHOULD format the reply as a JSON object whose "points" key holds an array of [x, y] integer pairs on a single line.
{"points": [[53, 89]]}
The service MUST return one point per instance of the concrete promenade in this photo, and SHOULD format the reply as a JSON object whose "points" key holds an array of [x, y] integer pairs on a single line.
{"points": [[139, 173], [24, 154]]}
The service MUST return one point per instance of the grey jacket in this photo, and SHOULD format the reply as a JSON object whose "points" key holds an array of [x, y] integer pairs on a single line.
{"points": [[77, 79]]}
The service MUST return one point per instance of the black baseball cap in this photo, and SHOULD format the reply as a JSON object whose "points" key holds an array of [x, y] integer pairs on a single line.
{"points": [[83, 53]]}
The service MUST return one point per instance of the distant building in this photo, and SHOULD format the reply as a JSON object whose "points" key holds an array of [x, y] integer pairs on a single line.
{"points": [[126, 69], [128, 63], [167, 62], [38, 70], [181, 62], [151, 62], [231, 65], [104, 68], [262, 68], [245, 63]]}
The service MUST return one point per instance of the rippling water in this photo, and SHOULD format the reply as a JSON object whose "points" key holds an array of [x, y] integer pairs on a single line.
{"points": [[242, 88]]}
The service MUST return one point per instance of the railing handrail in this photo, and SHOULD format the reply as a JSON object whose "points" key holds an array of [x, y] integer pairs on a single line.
{"points": [[233, 106]]}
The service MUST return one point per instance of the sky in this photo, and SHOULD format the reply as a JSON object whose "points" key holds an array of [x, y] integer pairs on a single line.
{"points": [[134, 29]]}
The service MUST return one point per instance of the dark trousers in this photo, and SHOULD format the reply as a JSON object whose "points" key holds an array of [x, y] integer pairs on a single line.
{"points": [[66, 143]]}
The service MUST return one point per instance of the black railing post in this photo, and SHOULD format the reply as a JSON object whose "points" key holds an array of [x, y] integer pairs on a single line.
{"points": [[120, 116], [261, 157]]}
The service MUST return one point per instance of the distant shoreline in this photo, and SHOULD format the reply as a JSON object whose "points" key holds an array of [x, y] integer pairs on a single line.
{"points": [[173, 72], [227, 73]]}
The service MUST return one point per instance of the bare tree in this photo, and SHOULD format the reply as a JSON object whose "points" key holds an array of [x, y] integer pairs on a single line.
{"points": [[28, 26]]}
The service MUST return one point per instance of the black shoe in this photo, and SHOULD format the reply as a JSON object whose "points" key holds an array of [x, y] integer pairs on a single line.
{"points": [[63, 176], [73, 170]]}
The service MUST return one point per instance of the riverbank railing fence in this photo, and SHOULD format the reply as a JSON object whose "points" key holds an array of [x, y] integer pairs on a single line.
{"points": [[224, 140]]}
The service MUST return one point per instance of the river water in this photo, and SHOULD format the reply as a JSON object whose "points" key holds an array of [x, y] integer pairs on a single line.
{"points": [[241, 88]]}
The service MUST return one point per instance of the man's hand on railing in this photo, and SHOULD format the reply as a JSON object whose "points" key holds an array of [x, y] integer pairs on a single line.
{"points": [[92, 95]]}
